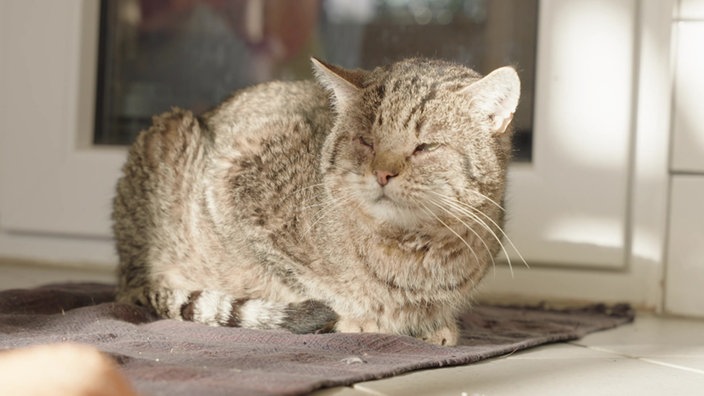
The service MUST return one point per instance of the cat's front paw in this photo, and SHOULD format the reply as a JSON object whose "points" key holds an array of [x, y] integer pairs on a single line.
{"points": [[356, 326], [445, 336]]}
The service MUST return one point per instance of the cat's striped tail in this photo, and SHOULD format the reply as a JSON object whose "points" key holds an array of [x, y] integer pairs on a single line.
{"points": [[218, 309]]}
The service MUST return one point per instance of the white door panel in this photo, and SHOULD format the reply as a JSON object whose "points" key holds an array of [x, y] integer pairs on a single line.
{"points": [[51, 182], [569, 206], [688, 117], [691, 9], [685, 271]]}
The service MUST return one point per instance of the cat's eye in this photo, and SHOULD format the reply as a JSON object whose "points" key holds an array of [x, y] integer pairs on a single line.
{"points": [[426, 147], [366, 142]]}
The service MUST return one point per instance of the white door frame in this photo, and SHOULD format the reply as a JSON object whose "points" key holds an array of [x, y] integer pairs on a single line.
{"points": [[640, 279], [55, 189]]}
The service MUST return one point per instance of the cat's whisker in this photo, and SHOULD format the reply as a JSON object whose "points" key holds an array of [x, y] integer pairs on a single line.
{"points": [[315, 205], [442, 207], [476, 219], [508, 239], [346, 170], [483, 196], [329, 204], [328, 207], [453, 204], [467, 209], [300, 190], [430, 212], [473, 216]]}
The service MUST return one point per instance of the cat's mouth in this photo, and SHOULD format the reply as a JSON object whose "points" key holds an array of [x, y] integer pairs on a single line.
{"points": [[381, 200], [382, 197], [391, 202], [388, 204], [392, 210], [385, 198]]}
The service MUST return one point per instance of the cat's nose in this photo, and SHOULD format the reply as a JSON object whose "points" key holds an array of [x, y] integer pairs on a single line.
{"points": [[383, 177]]}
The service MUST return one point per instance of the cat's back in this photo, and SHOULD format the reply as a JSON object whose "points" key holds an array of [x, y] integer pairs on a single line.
{"points": [[180, 144], [272, 102]]}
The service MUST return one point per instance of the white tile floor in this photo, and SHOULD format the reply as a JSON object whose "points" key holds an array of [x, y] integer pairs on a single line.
{"points": [[653, 356]]}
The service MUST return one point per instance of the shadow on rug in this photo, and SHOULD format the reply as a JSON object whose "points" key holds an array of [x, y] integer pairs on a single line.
{"points": [[169, 357]]}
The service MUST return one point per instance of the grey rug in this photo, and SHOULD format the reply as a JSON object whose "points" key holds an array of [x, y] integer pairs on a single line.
{"points": [[168, 357]]}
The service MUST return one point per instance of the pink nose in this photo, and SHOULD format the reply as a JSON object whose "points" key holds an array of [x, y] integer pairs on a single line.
{"points": [[383, 177]]}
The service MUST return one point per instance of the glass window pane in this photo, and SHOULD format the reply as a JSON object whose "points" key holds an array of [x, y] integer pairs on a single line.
{"points": [[156, 54]]}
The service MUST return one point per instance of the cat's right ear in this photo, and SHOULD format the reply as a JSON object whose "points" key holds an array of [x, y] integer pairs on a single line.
{"points": [[342, 83], [496, 96]]}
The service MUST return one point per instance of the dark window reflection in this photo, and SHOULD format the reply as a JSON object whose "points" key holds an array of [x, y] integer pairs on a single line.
{"points": [[156, 54]]}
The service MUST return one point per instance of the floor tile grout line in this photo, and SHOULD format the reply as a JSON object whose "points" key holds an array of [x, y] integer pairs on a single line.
{"points": [[599, 349], [671, 365], [360, 387], [642, 359], [607, 351], [611, 351]]}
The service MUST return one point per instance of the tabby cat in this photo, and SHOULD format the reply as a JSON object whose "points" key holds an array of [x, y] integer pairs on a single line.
{"points": [[364, 201]]}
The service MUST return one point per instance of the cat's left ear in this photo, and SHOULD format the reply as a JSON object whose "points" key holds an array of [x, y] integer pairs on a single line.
{"points": [[344, 84], [496, 96]]}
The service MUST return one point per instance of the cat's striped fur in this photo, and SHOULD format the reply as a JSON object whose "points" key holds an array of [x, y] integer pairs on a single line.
{"points": [[366, 201]]}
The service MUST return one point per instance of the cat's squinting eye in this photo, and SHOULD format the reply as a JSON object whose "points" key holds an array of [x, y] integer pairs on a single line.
{"points": [[426, 147], [366, 142]]}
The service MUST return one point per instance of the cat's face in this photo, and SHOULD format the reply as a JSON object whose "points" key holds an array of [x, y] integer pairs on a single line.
{"points": [[416, 143]]}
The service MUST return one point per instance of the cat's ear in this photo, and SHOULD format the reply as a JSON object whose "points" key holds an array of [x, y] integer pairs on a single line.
{"points": [[342, 83], [496, 96]]}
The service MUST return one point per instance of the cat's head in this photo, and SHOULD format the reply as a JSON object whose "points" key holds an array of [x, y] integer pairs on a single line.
{"points": [[418, 141]]}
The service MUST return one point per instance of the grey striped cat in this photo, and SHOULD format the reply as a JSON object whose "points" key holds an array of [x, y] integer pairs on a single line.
{"points": [[364, 201]]}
